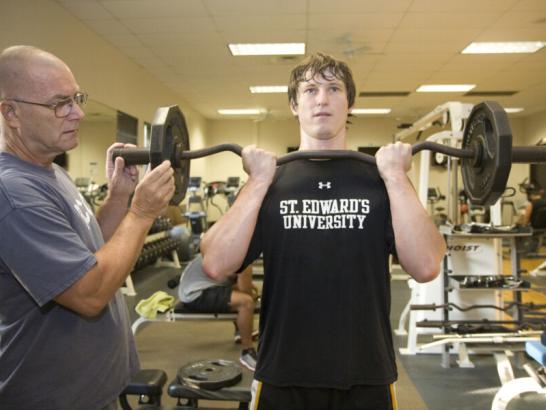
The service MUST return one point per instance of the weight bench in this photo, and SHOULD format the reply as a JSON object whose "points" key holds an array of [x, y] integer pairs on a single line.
{"points": [[181, 312], [535, 383]]}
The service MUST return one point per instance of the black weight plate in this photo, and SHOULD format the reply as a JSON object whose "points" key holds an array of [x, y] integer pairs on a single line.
{"points": [[488, 133], [169, 138], [210, 374]]}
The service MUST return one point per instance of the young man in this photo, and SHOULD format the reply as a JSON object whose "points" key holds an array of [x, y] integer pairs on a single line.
{"points": [[326, 229], [201, 294], [65, 337]]}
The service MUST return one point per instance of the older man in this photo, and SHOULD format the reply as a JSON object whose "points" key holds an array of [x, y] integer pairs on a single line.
{"points": [[65, 342]]}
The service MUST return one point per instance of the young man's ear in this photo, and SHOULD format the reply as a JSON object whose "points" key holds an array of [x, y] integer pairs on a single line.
{"points": [[294, 108]]}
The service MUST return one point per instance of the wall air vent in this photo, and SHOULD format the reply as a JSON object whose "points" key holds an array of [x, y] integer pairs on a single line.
{"points": [[384, 94], [490, 93]]}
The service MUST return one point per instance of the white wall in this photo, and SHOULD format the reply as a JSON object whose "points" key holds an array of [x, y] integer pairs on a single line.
{"points": [[534, 128]]}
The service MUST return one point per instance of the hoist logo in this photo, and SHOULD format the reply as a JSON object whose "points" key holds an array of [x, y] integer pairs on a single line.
{"points": [[463, 248]]}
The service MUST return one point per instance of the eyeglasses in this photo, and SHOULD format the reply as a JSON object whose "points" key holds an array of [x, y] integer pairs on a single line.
{"points": [[63, 107]]}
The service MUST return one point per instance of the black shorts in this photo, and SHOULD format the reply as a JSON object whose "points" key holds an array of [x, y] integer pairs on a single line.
{"points": [[268, 397], [212, 300]]}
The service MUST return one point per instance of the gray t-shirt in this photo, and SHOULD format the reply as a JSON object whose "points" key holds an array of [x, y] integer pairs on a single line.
{"points": [[51, 357], [194, 281]]}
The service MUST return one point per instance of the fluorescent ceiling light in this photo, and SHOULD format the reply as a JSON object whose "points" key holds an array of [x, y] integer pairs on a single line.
{"points": [[265, 89], [267, 49], [445, 88], [504, 47], [242, 111], [513, 110], [358, 111]]}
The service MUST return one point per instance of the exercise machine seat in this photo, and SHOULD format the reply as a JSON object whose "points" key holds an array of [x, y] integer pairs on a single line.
{"points": [[146, 383]]}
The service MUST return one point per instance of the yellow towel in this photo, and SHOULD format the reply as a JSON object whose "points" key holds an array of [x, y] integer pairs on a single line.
{"points": [[159, 302]]}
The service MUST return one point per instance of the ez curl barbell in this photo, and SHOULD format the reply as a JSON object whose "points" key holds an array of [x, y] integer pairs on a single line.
{"points": [[486, 151]]}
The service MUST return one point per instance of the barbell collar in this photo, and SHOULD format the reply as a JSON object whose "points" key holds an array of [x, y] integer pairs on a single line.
{"points": [[529, 155]]}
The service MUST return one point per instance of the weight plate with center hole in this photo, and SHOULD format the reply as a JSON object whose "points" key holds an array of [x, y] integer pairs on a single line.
{"points": [[169, 138], [487, 133], [210, 374]]}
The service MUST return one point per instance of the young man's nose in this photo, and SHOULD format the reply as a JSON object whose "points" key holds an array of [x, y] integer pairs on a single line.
{"points": [[322, 96]]}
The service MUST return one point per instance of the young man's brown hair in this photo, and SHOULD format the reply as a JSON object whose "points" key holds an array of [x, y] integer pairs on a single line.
{"points": [[328, 67]]}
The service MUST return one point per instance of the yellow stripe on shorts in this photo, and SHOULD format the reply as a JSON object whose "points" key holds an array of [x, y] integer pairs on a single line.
{"points": [[256, 390], [393, 397]]}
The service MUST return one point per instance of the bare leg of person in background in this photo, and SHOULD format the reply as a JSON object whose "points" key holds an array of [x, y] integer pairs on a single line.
{"points": [[244, 283], [243, 304]]}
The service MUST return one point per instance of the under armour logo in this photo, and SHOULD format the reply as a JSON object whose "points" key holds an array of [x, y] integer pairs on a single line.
{"points": [[327, 185]]}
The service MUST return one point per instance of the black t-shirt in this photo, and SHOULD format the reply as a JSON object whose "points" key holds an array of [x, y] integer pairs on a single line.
{"points": [[325, 232]]}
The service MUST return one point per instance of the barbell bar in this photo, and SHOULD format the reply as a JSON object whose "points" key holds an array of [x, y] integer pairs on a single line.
{"points": [[487, 153]]}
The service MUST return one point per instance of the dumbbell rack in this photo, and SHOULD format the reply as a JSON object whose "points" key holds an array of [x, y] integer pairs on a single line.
{"points": [[157, 244]]}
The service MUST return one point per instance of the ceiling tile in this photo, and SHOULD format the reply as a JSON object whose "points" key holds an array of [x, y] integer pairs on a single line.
{"points": [[357, 37], [486, 63], [358, 6], [181, 43], [271, 36], [134, 9], [253, 7], [453, 47], [108, 27], [522, 19], [450, 20], [500, 33], [90, 9], [124, 40], [461, 6], [435, 35], [354, 21], [170, 25], [530, 5], [259, 23]]}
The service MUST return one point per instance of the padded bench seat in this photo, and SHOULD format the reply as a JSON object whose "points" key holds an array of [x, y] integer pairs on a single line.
{"points": [[181, 312], [182, 309], [148, 383]]}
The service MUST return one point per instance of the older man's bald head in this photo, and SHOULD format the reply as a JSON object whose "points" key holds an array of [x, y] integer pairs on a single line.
{"points": [[20, 68]]}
